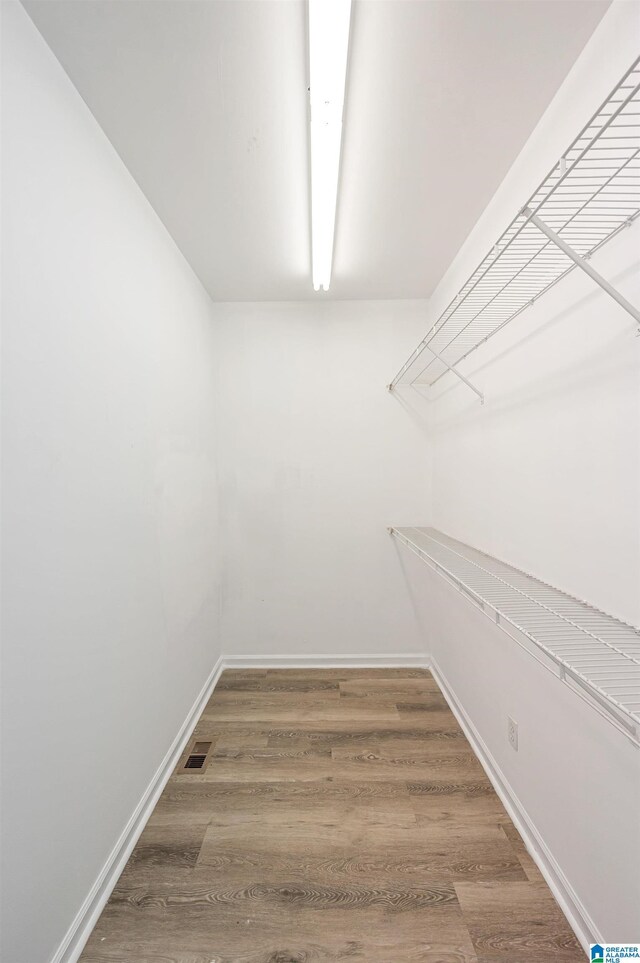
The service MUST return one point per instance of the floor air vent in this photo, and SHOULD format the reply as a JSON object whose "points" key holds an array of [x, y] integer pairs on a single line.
{"points": [[196, 758]]}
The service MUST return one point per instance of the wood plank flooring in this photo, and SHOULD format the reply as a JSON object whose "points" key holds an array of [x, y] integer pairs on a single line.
{"points": [[342, 816]]}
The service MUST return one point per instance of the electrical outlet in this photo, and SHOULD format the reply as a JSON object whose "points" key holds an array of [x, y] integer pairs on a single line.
{"points": [[512, 733]]}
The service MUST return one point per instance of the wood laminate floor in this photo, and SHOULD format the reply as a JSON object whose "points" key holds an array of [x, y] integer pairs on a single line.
{"points": [[342, 816]]}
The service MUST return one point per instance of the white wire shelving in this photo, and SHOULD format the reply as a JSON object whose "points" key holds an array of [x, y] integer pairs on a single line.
{"points": [[597, 655], [590, 195]]}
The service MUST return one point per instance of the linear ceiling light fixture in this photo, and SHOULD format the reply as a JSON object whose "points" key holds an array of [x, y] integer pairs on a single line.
{"points": [[328, 51]]}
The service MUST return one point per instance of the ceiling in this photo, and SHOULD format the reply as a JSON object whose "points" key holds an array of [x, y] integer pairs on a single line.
{"points": [[206, 103]]}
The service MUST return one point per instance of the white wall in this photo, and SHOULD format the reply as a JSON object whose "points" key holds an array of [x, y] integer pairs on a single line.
{"points": [[547, 476], [316, 459], [110, 513]]}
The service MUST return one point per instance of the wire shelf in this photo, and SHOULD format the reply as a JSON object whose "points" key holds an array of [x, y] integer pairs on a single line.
{"points": [[591, 194], [587, 647]]}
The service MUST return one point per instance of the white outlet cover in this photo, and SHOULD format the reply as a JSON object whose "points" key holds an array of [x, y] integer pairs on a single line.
{"points": [[512, 732]]}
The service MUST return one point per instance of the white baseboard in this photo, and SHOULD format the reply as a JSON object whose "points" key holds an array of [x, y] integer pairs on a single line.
{"points": [[403, 661], [87, 916], [577, 916]]}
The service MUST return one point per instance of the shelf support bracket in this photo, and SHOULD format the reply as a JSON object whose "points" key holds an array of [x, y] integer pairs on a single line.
{"points": [[457, 374], [582, 263]]}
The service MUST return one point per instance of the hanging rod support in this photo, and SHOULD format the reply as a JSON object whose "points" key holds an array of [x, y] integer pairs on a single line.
{"points": [[582, 263], [457, 374]]}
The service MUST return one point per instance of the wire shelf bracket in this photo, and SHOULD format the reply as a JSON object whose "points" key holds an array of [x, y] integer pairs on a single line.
{"points": [[457, 373], [591, 194], [595, 654], [586, 267]]}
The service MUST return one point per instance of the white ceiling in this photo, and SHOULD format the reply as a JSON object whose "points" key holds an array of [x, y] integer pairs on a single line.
{"points": [[206, 102]]}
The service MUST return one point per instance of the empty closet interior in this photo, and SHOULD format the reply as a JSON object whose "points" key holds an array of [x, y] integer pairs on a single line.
{"points": [[325, 465]]}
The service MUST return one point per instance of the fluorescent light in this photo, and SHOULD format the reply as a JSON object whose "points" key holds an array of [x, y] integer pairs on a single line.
{"points": [[328, 51]]}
